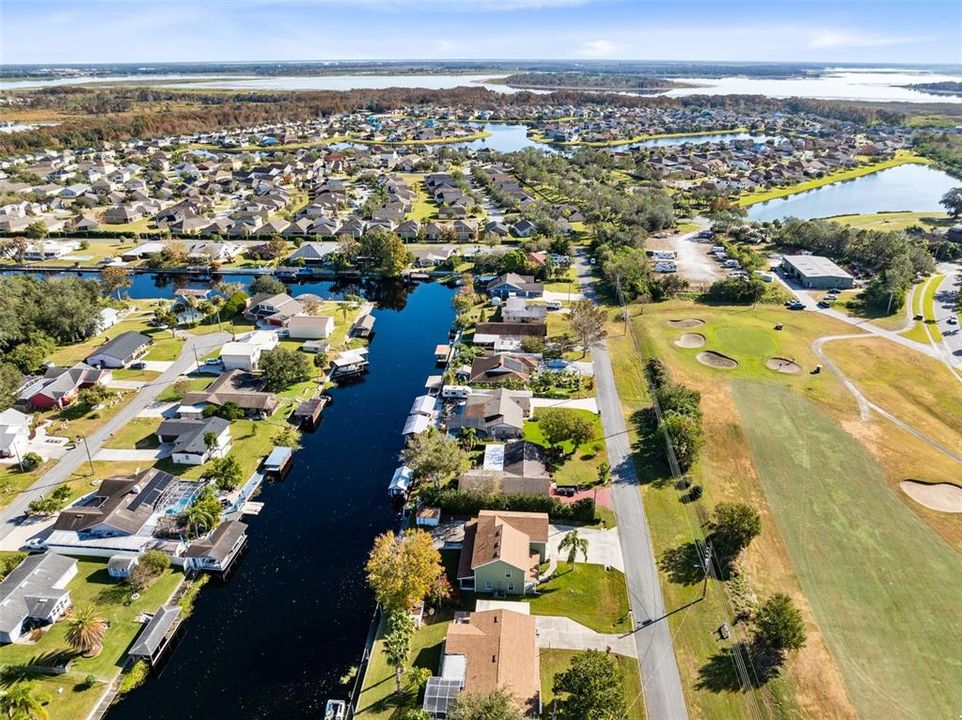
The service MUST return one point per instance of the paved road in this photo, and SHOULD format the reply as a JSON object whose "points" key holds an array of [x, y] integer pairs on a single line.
{"points": [[75, 458], [946, 297], [664, 698]]}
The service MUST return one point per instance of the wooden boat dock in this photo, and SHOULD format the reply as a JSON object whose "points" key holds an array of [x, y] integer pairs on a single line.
{"points": [[308, 413]]}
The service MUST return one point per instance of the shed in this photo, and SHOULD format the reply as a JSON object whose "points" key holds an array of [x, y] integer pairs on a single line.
{"points": [[121, 565], [401, 481]]}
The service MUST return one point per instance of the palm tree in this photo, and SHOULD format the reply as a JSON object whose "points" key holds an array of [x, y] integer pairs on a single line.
{"points": [[22, 702], [574, 544], [468, 438], [85, 631], [200, 517]]}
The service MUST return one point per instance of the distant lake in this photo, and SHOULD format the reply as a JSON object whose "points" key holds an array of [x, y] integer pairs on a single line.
{"points": [[879, 85], [915, 188], [697, 140]]}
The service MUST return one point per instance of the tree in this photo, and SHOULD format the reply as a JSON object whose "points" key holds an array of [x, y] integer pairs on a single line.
{"points": [[350, 304], [468, 438], [30, 356], [312, 306], [496, 705], [288, 436], [283, 367], [276, 247], [735, 525], [94, 396], [588, 323], [225, 472], [591, 689], [574, 544], [686, 436], [952, 202], [113, 279], [22, 701], [267, 284], [50, 504], [84, 630], [30, 461], [435, 455], [10, 380], [397, 643], [36, 230], [402, 569], [779, 626], [604, 473], [204, 514], [559, 425]]}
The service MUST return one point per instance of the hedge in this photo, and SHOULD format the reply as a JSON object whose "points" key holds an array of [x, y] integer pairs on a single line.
{"points": [[470, 503]]}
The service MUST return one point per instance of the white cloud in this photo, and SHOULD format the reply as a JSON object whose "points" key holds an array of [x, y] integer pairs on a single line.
{"points": [[831, 39], [597, 49]]}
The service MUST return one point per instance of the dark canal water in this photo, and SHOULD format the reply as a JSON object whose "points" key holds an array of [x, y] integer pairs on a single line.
{"points": [[272, 642]]}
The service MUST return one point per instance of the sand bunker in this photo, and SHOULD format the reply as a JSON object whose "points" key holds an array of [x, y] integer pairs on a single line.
{"points": [[716, 360], [943, 497], [690, 340], [686, 323], [783, 365]]}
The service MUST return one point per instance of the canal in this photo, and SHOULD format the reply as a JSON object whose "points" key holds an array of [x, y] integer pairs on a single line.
{"points": [[272, 641]]}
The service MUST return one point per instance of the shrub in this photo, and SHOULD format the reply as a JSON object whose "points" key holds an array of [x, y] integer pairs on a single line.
{"points": [[470, 503], [30, 461]]}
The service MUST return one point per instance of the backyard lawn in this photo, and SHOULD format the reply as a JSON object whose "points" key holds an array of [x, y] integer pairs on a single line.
{"points": [[875, 574], [378, 700], [555, 662], [92, 586], [588, 594], [581, 464]]}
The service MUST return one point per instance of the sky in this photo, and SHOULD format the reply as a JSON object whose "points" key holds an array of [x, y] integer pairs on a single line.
{"points": [[844, 31]]}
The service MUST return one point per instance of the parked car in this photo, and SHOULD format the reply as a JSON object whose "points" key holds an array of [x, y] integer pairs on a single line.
{"points": [[795, 305], [953, 321]]}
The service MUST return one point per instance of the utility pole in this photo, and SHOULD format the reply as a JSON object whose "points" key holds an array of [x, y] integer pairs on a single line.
{"points": [[90, 460]]}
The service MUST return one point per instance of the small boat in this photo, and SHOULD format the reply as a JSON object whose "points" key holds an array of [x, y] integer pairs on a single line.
{"points": [[336, 710]]}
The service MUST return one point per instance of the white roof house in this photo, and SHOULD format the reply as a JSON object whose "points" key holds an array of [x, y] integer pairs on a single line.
{"points": [[310, 327], [14, 432], [240, 356]]}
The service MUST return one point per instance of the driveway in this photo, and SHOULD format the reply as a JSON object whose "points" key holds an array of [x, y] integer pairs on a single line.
{"points": [[562, 296], [74, 459], [562, 633], [159, 409], [589, 404], [604, 546], [132, 455], [694, 263]]}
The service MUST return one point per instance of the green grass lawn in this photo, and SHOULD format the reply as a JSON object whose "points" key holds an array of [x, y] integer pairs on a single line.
{"points": [[251, 441], [66, 696], [588, 594], [378, 700], [140, 433], [555, 662], [581, 464], [879, 579], [891, 221], [164, 347], [91, 586], [192, 383], [568, 283]]}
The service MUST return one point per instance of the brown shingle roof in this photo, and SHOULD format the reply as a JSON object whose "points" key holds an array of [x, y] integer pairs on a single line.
{"points": [[500, 650]]}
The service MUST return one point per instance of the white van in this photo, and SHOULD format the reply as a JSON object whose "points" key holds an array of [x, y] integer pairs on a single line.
{"points": [[552, 304]]}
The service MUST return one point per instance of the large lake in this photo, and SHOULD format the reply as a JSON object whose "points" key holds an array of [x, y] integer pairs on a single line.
{"points": [[879, 84], [272, 642], [907, 187]]}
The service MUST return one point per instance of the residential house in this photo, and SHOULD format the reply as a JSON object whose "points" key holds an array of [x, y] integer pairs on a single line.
{"points": [[514, 468], [235, 386], [35, 594], [217, 551], [240, 356], [503, 551], [496, 368], [509, 284], [195, 441], [499, 414], [310, 327], [518, 310], [273, 309], [60, 386], [14, 433], [507, 336], [484, 652], [121, 351]]}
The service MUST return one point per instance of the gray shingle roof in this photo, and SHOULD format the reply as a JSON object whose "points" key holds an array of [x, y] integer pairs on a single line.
{"points": [[153, 634], [29, 588]]}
